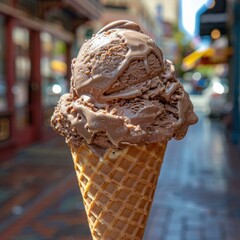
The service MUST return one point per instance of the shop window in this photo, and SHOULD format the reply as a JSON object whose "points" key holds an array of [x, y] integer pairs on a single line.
{"points": [[53, 72], [21, 39], [3, 82]]}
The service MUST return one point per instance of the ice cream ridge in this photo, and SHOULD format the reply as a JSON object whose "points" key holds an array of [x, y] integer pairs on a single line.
{"points": [[125, 104]]}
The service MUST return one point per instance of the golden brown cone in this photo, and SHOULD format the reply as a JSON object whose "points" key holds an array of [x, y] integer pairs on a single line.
{"points": [[118, 188]]}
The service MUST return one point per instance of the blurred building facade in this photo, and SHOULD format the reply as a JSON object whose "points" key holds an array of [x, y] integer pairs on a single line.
{"points": [[218, 26], [156, 18], [235, 68], [221, 23], [113, 10], [166, 15], [36, 42]]}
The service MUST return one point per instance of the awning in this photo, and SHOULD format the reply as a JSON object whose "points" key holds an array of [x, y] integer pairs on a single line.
{"points": [[58, 17], [191, 60], [206, 56]]}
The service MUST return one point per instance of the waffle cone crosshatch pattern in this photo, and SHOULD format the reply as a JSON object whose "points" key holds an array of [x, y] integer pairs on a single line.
{"points": [[118, 188]]}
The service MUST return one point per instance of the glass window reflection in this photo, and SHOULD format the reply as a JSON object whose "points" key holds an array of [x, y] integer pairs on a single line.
{"points": [[3, 83], [53, 71], [21, 40]]}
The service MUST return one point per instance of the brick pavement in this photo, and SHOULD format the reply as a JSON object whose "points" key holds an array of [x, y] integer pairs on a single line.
{"points": [[198, 194], [40, 198]]}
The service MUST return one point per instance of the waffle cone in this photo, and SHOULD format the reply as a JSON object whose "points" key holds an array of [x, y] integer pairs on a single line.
{"points": [[118, 188]]}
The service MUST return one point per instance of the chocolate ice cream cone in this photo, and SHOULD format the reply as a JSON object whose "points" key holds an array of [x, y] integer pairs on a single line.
{"points": [[124, 97]]}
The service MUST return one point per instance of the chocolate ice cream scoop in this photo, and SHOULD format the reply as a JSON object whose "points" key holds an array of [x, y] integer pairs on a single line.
{"points": [[103, 59], [122, 92]]}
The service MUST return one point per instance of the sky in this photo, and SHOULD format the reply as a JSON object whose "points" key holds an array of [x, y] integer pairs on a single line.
{"points": [[189, 9]]}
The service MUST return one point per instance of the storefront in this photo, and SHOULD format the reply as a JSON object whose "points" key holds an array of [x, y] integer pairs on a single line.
{"points": [[35, 58]]}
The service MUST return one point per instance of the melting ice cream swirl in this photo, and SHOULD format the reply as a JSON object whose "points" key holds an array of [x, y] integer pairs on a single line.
{"points": [[122, 92]]}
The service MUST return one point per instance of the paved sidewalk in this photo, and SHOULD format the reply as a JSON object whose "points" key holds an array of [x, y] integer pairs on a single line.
{"points": [[197, 198], [39, 195]]}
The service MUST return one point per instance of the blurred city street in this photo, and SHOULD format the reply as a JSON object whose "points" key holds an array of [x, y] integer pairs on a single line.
{"points": [[198, 193], [197, 198]]}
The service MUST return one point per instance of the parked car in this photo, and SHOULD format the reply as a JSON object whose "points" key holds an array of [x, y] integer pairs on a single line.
{"points": [[216, 93], [195, 90], [210, 96]]}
